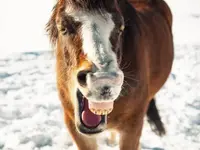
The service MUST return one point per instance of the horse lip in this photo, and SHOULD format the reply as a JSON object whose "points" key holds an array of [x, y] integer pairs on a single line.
{"points": [[91, 131]]}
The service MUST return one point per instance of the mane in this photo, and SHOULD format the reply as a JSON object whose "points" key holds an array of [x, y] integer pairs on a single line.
{"points": [[51, 27], [88, 5]]}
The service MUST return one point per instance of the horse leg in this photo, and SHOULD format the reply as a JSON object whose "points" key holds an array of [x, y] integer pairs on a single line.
{"points": [[112, 140], [83, 142], [130, 137]]}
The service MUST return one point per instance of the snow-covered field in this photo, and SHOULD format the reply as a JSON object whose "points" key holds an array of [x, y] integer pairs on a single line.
{"points": [[31, 117]]}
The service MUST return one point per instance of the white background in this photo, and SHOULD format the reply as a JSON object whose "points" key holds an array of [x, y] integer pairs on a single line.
{"points": [[22, 25]]}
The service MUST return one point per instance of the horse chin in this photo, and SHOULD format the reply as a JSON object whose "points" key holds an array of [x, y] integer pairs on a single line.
{"points": [[95, 128]]}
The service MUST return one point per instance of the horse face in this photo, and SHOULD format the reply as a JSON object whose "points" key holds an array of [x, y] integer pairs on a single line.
{"points": [[92, 38], [103, 81]]}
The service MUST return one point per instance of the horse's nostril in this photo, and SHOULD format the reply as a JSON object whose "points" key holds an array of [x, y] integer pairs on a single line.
{"points": [[82, 77], [106, 91]]}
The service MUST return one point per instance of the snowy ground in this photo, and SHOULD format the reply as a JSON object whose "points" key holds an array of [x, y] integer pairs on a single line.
{"points": [[30, 113]]}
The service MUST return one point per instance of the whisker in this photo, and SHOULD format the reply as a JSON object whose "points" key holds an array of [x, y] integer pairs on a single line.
{"points": [[126, 83], [126, 65], [131, 79], [129, 74]]}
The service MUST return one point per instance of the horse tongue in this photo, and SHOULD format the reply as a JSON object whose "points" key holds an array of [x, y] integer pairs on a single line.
{"points": [[89, 118]]}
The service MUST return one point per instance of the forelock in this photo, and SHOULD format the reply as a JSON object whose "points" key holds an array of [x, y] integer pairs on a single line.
{"points": [[99, 6], [90, 5]]}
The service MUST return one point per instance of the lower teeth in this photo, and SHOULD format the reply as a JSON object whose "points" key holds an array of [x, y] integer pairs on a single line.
{"points": [[101, 112]]}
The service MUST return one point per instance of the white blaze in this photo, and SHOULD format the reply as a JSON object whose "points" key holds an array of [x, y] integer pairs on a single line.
{"points": [[96, 32]]}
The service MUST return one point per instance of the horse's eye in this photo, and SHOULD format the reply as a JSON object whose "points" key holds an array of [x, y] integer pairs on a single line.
{"points": [[63, 30], [122, 27], [68, 30]]}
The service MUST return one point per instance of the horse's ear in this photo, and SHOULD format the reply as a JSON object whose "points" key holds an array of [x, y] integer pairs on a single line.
{"points": [[51, 26]]}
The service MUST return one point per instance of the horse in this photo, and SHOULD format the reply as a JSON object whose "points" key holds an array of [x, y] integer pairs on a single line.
{"points": [[112, 57]]}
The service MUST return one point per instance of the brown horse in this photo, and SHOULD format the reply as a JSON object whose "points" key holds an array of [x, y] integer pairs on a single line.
{"points": [[113, 56]]}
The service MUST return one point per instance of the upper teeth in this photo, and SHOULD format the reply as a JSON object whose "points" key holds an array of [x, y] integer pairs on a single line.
{"points": [[101, 112]]}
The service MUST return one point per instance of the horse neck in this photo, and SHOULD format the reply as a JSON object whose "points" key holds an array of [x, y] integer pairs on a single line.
{"points": [[132, 43]]}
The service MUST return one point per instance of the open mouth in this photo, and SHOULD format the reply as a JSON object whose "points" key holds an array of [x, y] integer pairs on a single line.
{"points": [[93, 116]]}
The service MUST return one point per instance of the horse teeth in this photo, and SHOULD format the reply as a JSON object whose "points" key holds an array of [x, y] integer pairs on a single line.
{"points": [[105, 112], [98, 112], [101, 112], [110, 110]]}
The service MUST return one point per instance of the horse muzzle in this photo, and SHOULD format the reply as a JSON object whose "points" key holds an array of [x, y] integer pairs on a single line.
{"points": [[100, 86]]}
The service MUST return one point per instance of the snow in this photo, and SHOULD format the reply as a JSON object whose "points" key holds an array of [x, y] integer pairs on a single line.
{"points": [[31, 117]]}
